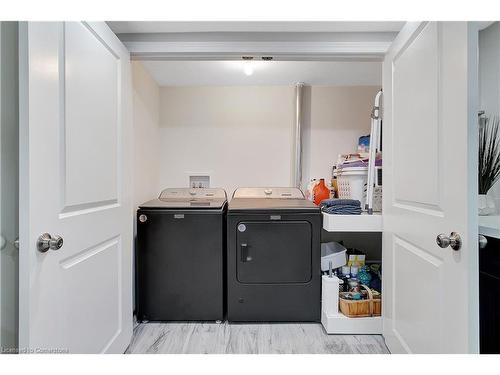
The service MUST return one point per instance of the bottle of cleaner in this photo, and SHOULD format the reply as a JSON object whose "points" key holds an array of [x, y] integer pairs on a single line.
{"points": [[321, 192]]}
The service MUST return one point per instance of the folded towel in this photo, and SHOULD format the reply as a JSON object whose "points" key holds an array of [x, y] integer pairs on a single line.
{"points": [[341, 206], [342, 210], [340, 202]]}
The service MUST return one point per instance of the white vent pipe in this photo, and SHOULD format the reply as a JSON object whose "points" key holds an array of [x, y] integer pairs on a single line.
{"points": [[297, 170]]}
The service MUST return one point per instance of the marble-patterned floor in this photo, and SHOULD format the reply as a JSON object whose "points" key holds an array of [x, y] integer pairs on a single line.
{"points": [[225, 338]]}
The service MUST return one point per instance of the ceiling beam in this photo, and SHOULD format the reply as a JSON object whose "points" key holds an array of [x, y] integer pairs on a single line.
{"points": [[253, 26], [281, 46]]}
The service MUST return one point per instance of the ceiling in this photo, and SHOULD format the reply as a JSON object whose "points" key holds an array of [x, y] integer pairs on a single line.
{"points": [[121, 27], [231, 73]]}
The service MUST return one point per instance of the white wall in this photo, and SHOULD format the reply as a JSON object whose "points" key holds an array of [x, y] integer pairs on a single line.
{"points": [[334, 119], [146, 115], [243, 135], [489, 82], [9, 186], [146, 109], [240, 136], [489, 69], [266, 73]]}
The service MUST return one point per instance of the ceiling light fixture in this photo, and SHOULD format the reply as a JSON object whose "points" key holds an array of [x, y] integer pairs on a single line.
{"points": [[248, 68], [247, 65]]}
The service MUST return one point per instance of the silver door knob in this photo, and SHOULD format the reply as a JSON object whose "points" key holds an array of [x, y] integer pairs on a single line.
{"points": [[453, 240], [483, 241], [3, 243], [47, 242]]}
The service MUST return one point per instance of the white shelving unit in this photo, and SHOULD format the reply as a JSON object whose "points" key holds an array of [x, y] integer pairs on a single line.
{"points": [[340, 324], [352, 223], [337, 323], [334, 321]]}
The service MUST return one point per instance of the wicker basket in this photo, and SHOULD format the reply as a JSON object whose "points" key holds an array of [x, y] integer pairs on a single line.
{"points": [[361, 308]]}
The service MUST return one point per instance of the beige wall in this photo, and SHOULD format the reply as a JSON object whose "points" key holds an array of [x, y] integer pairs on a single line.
{"points": [[334, 119], [242, 136], [146, 108], [146, 115]]}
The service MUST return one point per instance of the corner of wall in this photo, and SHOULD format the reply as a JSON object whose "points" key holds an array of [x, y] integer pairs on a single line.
{"points": [[146, 112]]}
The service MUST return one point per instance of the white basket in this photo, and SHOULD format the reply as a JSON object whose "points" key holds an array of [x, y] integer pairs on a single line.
{"points": [[351, 183]]}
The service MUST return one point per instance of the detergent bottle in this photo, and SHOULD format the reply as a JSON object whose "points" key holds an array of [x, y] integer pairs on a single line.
{"points": [[321, 192]]}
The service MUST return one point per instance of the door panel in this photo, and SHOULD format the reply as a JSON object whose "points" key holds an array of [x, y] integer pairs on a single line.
{"points": [[274, 252], [101, 291], [91, 110], [416, 275], [417, 179], [74, 174], [430, 303]]}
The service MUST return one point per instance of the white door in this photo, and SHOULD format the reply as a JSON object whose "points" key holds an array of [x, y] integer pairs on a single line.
{"points": [[75, 183], [430, 187]]}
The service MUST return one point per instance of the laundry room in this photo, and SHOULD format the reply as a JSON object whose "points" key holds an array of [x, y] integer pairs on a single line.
{"points": [[234, 128], [245, 188], [228, 129]]}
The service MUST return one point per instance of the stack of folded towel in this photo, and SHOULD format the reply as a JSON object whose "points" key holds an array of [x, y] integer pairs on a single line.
{"points": [[341, 206]]}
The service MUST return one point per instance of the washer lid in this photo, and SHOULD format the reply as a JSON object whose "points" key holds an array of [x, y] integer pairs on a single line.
{"points": [[192, 193], [189, 198], [269, 192], [270, 199]]}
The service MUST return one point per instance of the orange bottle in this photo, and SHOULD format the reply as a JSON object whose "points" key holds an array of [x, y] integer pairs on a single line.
{"points": [[321, 192]]}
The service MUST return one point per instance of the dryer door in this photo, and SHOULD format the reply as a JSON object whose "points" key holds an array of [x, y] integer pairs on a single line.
{"points": [[270, 252]]}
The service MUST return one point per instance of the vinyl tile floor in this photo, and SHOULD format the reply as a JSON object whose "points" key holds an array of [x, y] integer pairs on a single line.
{"points": [[226, 338]]}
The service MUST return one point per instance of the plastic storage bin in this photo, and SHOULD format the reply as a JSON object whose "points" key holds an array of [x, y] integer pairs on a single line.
{"points": [[332, 252]]}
